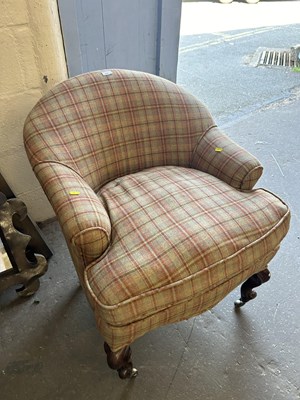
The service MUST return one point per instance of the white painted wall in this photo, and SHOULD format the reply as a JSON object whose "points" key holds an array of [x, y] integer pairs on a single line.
{"points": [[32, 62]]}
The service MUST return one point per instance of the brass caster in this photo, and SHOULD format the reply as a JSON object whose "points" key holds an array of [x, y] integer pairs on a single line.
{"points": [[247, 292], [128, 372], [240, 303], [121, 361]]}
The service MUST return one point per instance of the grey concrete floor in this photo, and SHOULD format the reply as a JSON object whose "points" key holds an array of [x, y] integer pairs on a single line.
{"points": [[50, 347]]}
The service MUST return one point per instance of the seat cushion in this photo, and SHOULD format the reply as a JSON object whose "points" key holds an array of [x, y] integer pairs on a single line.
{"points": [[177, 233]]}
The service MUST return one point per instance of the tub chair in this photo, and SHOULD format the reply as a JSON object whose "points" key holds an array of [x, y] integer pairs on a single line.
{"points": [[156, 203]]}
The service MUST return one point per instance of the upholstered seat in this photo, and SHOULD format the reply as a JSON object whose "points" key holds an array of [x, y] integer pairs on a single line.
{"points": [[178, 234], [157, 205]]}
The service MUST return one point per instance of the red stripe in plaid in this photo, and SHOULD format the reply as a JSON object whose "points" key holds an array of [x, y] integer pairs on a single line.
{"points": [[108, 126], [83, 218], [178, 236], [233, 164], [119, 336], [177, 233]]}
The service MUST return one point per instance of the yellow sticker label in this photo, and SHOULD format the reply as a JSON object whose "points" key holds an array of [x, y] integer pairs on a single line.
{"points": [[218, 149], [74, 192]]}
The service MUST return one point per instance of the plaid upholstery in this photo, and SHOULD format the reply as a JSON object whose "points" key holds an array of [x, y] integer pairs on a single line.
{"points": [[108, 126], [83, 218], [117, 336], [157, 229], [232, 164], [178, 233]]}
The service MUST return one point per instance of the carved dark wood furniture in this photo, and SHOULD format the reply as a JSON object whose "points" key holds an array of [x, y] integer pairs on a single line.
{"points": [[27, 266]]}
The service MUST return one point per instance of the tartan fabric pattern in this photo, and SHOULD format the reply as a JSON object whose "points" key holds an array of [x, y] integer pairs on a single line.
{"points": [[103, 127], [157, 230], [232, 164], [119, 336], [84, 220], [108, 126], [177, 233]]}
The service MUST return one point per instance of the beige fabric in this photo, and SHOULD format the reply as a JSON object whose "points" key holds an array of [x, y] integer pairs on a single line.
{"points": [[156, 204]]}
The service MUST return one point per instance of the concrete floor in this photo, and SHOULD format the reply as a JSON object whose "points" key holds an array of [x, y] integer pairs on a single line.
{"points": [[50, 347]]}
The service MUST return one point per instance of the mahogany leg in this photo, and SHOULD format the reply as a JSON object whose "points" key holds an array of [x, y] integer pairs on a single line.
{"points": [[121, 361], [247, 292]]}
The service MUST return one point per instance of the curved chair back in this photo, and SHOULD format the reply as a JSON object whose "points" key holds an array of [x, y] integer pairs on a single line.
{"points": [[106, 125]]}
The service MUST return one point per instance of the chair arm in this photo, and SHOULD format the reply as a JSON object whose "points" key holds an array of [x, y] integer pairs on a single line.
{"points": [[82, 216], [221, 157]]}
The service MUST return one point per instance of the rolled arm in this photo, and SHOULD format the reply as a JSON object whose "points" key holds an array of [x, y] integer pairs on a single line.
{"points": [[218, 155], [82, 216]]}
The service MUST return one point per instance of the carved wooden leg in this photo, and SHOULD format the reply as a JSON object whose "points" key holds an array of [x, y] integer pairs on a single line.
{"points": [[121, 361], [27, 266], [255, 280]]}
